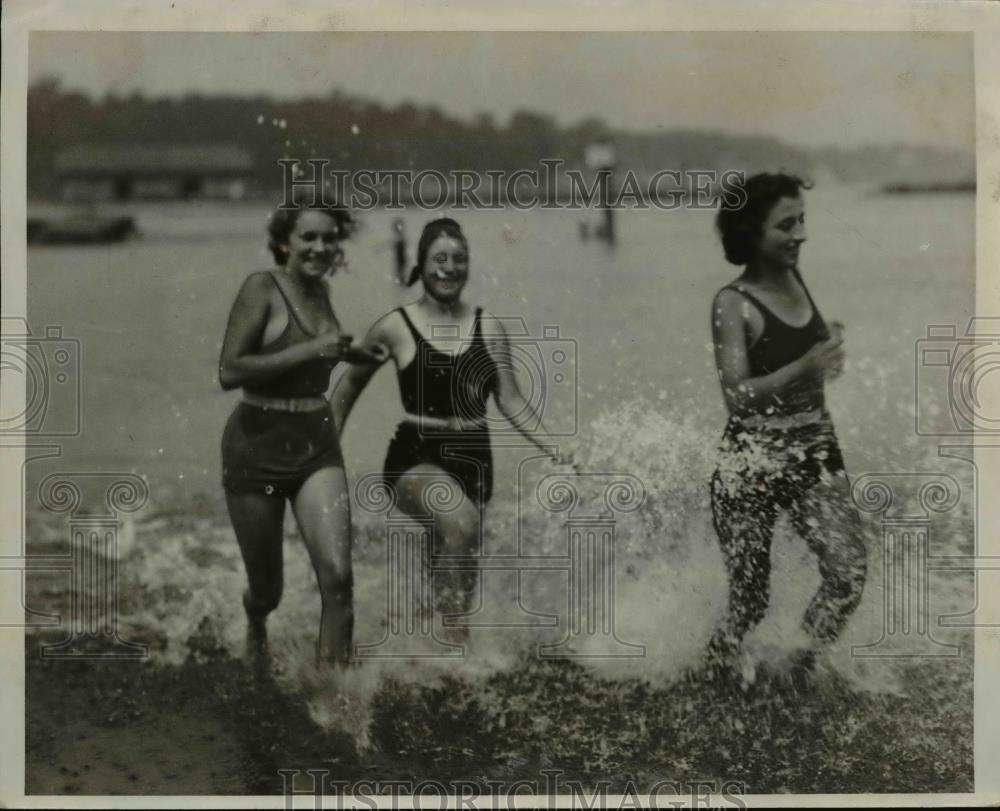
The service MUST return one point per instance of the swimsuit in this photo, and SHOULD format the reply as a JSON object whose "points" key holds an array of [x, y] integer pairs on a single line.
{"points": [[273, 451], [801, 453], [780, 343], [766, 467], [438, 384]]}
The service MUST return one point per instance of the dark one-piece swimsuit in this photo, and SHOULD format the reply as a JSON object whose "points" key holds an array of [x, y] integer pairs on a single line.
{"points": [[438, 384], [798, 455], [271, 451]]}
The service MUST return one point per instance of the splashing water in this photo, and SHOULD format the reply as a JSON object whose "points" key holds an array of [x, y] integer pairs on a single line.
{"points": [[183, 578], [181, 575]]}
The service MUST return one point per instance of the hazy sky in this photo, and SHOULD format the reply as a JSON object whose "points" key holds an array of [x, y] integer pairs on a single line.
{"points": [[807, 88]]}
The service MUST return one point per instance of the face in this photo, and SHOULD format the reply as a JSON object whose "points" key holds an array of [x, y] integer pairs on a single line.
{"points": [[313, 244], [446, 269], [782, 234]]}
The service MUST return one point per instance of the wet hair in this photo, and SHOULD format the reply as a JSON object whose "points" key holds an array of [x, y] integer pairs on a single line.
{"points": [[282, 223], [740, 226], [433, 230]]}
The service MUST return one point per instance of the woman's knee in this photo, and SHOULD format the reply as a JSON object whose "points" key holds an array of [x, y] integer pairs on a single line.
{"points": [[426, 491], [335, 582], [459, 528]]}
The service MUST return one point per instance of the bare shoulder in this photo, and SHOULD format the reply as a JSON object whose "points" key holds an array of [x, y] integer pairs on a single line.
{"points": [[257, 283], [256, 292], [728, 299], [389, 328], [731, 306], [492, 327]]}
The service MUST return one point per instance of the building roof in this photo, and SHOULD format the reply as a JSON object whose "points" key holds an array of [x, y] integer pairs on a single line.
{"points": [[153, 159]]}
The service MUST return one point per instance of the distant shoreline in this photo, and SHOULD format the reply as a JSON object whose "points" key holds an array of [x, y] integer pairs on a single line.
{"points": [[925, 188]]}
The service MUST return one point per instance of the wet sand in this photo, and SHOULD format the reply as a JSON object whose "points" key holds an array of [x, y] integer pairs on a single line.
{"points": [[210, 726]]}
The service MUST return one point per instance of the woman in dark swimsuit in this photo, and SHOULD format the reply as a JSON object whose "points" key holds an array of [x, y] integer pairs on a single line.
{"points": [[444, 437], [774, 353], [282, 342]]}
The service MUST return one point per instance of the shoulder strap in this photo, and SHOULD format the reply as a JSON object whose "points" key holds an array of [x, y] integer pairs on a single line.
{"points": [[292, 313], [801, 281], [413, 330], [761, 307]]}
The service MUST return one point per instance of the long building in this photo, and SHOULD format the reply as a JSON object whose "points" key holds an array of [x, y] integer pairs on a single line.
{"points": [[153, 171]]}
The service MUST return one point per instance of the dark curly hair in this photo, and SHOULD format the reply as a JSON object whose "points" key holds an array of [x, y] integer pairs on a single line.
{"points": [[740, 226], [432, 231], [282, 223]]}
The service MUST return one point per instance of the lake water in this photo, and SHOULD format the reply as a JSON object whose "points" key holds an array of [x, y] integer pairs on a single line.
{"points": [[150, 316]]}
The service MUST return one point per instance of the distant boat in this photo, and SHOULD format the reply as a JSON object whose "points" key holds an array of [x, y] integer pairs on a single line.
{"points": [[924, 188], [85, 229]]}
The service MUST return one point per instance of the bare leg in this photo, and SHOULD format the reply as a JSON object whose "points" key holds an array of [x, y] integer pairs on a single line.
{"points": [[828, 522], [456, 531], [258, 521], [323, 511]]}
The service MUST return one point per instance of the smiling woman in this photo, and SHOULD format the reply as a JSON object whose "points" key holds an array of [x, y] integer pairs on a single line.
{"points": [[281, 345], [774, 352], [444, 440]]}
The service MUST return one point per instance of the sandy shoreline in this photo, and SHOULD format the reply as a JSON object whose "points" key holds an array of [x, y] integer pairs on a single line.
{"points": [[210, 727]]}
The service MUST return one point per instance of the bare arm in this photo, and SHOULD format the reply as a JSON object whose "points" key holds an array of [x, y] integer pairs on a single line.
{"points": [[750, 395], [379, 345], [509, 398]]}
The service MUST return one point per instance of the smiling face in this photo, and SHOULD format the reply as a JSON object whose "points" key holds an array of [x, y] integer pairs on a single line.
{"points": [[446, 269], [313, 244], [782, 234]]}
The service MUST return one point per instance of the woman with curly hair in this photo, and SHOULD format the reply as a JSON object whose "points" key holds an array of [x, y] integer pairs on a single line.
{"points": [[281, 344], [774, 353]]}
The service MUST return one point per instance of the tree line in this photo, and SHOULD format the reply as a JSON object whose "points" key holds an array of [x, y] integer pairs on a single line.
{"points": [[356, 133]]}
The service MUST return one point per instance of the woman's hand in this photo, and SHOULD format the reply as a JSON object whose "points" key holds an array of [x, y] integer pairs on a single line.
{"points": [[826, 359], [366, 354], [837, 331], [333, 345]]}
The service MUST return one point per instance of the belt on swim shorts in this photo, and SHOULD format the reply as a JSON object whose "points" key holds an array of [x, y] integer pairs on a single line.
{"points": [[286, 403], [454, 424], [784, 422]]}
